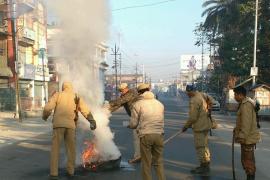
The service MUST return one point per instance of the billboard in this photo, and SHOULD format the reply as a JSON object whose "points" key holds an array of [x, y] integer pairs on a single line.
{"points": [[194, 62]]}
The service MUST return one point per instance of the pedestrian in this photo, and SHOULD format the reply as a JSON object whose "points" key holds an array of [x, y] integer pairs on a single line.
{"points": [[246, 132], [147, 116], [127, 98], [64, 105], [200, 123]]}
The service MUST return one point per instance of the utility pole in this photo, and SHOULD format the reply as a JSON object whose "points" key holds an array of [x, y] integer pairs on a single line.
{"points": [[120, 66], [115, 53], [143, 73], [254, 69], [136, 75], [202, 60], [42, 51], [12, 10], [145, 77]]}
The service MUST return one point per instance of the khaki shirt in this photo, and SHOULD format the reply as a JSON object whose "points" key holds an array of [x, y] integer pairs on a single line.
{"points": [[125, 100], [198, 114], [246, 123], [147, 115], [63, 104]]}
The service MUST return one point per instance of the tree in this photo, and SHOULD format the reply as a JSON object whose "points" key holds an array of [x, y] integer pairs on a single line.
{"points": [[231, 25]]}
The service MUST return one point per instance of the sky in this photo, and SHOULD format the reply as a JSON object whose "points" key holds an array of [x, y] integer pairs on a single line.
{"points": [[154, 36]]}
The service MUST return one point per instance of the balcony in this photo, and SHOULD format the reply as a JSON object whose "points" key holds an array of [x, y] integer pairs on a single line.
{"points": [[3, 5], [3, 31], [25, 6], [26, 37]]}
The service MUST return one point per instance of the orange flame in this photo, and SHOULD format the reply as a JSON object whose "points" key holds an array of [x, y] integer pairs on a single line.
{"points": [[90, 154]]}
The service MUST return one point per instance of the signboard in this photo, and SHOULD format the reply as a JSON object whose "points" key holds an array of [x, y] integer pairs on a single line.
{"points": [[194, 62], [254, 71], [39, 73], [29, 71]]}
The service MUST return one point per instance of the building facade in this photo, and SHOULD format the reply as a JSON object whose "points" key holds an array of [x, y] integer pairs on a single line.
{"points": [[29, 65]]}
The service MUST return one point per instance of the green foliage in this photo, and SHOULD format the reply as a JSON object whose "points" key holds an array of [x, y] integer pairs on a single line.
{"points": [[231, 25]]}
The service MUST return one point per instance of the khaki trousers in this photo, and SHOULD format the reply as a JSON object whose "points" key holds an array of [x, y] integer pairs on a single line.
{"points": [[248, 158], [201, 146], [68, 135], [136, 144], [152, 153]]}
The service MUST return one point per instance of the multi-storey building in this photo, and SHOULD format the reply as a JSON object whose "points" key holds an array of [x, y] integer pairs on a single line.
{"points": [[30, 66]]}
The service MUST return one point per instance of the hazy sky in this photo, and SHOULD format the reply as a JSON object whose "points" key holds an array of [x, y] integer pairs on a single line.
{"points": [[155, 36]]}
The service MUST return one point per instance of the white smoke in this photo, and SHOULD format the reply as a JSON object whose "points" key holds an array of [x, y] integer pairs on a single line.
{"points": [[83, 25]]}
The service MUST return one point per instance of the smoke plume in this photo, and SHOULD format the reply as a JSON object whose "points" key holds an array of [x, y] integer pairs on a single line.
{"points": [[83, 25]]}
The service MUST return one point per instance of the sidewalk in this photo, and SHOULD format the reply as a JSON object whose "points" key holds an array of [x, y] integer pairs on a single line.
{"points": [[12, 131]]}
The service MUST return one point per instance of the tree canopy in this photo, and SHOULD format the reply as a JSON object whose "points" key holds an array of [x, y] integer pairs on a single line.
{"points": [[229, 28]]}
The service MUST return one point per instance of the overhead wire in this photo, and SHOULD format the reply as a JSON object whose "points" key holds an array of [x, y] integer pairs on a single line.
{"points": [[143, 5]]}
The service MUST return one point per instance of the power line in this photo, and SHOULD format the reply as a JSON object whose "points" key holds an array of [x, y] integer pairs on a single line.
{"points": [[143, 5]]}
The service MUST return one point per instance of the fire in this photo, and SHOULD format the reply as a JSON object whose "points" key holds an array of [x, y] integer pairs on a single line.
{"points": [[92, 159], [90, 156]]}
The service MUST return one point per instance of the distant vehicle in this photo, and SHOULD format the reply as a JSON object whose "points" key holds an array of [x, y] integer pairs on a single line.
{"points": [[216, 104]]}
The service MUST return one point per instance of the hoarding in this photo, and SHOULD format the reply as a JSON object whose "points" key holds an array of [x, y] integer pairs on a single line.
{"points": [[194, 62]]}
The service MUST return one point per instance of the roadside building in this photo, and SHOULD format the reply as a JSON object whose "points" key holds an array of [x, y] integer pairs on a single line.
{"points": [[31, 65], [261, 93]]}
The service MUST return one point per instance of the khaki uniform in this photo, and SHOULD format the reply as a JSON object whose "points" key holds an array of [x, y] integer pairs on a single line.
{"points": [[201, 124], [127, 100], [247, 134], [147, 116], [64, 106]]}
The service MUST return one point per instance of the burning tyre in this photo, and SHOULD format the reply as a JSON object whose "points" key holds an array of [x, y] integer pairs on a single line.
{"points": [[93, 161]]}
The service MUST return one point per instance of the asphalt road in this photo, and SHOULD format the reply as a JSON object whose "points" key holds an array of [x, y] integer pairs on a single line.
{"points": [[25, 155]]}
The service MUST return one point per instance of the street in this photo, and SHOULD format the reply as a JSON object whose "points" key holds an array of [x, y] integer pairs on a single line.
{"points": [[25, 147]]}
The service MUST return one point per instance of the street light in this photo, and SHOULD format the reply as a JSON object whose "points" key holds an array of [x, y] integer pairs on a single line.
{"points": [[254, 69]]}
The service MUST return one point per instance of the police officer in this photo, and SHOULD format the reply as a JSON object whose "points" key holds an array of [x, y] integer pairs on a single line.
{"points": [[200, 123], [64, 106], [246, 132], [127, 98], [147, 116]]}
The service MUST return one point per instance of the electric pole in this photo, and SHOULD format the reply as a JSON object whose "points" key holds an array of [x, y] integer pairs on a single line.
{"points": [[254, 69], [12, 10], [42, 51], [143, 73], [115, 53], [120, 67], [202, 60], [136, 75]]}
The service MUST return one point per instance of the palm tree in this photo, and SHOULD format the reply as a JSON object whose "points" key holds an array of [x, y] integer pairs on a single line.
{"points": [[218, 12]]}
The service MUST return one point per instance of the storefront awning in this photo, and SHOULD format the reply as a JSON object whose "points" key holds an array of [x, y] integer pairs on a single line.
{"points": [[6, 72]]}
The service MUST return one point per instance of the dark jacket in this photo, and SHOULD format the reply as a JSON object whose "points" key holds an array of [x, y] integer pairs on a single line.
{"points": [[125, 100]]}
